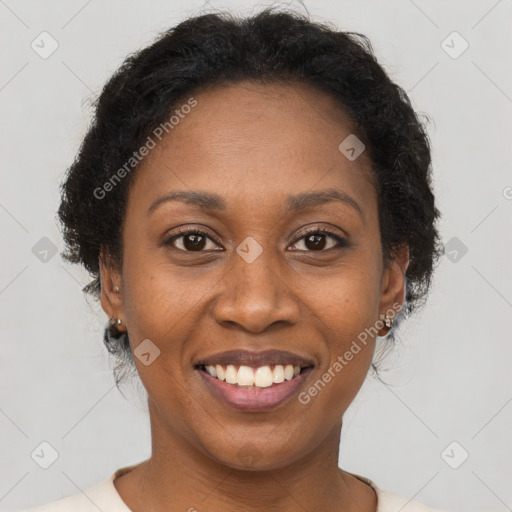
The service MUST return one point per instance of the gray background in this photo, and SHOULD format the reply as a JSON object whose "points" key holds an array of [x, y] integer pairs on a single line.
{"points": [[449, 377]]}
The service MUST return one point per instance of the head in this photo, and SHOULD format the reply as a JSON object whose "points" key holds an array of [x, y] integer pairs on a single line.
{"points": [[252, 184]]}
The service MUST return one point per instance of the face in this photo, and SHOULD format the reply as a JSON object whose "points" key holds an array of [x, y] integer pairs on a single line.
{"points": [[268, 267]]}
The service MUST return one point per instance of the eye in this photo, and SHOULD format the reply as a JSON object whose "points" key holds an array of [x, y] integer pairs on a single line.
{"points": [[192, 240], [196, 240], [315, 240]]}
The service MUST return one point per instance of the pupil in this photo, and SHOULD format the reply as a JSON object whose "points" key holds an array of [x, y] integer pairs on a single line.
{"points": [[315, 244], [195, 244]]}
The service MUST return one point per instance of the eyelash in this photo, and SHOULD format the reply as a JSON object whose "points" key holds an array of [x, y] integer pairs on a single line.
{"points": [[341, 242]]}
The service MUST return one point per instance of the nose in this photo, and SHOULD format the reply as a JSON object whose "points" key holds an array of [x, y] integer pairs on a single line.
{"points": [[255, 296]]}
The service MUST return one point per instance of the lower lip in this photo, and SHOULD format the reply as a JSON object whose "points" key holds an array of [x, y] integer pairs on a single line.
{"points": [[258, 399]]}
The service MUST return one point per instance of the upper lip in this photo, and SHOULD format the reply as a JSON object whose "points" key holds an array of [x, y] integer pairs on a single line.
{"points": [[249, 358]]}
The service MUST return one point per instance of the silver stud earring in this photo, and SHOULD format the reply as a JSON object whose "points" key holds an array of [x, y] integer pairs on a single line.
{"points": [[388, 321], [113, 330]]}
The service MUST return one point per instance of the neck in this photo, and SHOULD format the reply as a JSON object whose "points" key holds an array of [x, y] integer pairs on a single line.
{"points": [[180, 474]]}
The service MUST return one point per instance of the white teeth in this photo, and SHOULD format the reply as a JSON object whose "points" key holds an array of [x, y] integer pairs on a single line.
{"points": [[278, 374], [231, 375], [245, 376], [261, 377], [288, 372], [221, 374]]}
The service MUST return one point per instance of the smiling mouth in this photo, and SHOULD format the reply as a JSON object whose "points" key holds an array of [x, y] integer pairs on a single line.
{"points": [[254, 377]]}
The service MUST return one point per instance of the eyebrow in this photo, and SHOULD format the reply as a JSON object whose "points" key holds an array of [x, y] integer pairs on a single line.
{"points": [[210, 201]]}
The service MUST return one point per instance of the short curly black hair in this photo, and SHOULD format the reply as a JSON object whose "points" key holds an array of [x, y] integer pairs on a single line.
{"points": [[274, 45]]}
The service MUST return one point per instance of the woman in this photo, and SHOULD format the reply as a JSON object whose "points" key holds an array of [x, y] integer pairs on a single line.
{"points": [[253, 200]]}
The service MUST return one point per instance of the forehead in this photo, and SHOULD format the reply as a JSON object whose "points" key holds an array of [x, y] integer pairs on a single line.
{"points": [[252, 141]]}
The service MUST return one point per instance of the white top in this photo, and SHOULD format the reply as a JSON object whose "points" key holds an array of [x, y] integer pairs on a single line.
{"points": [[104, 497]]}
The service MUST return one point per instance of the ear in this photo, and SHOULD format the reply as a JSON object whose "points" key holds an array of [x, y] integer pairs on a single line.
{"points": [[394, 282], [111, 290]]}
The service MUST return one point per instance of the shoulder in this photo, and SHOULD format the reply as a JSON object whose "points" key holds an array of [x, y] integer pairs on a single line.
{"points": [[102, 496], [75, 503], [389, 501]]}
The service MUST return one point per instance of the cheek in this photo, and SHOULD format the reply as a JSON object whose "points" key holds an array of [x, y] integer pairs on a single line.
{"points": [[347, 300], [349, 350], [163, 305], [158, 298], [345, 311]]}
